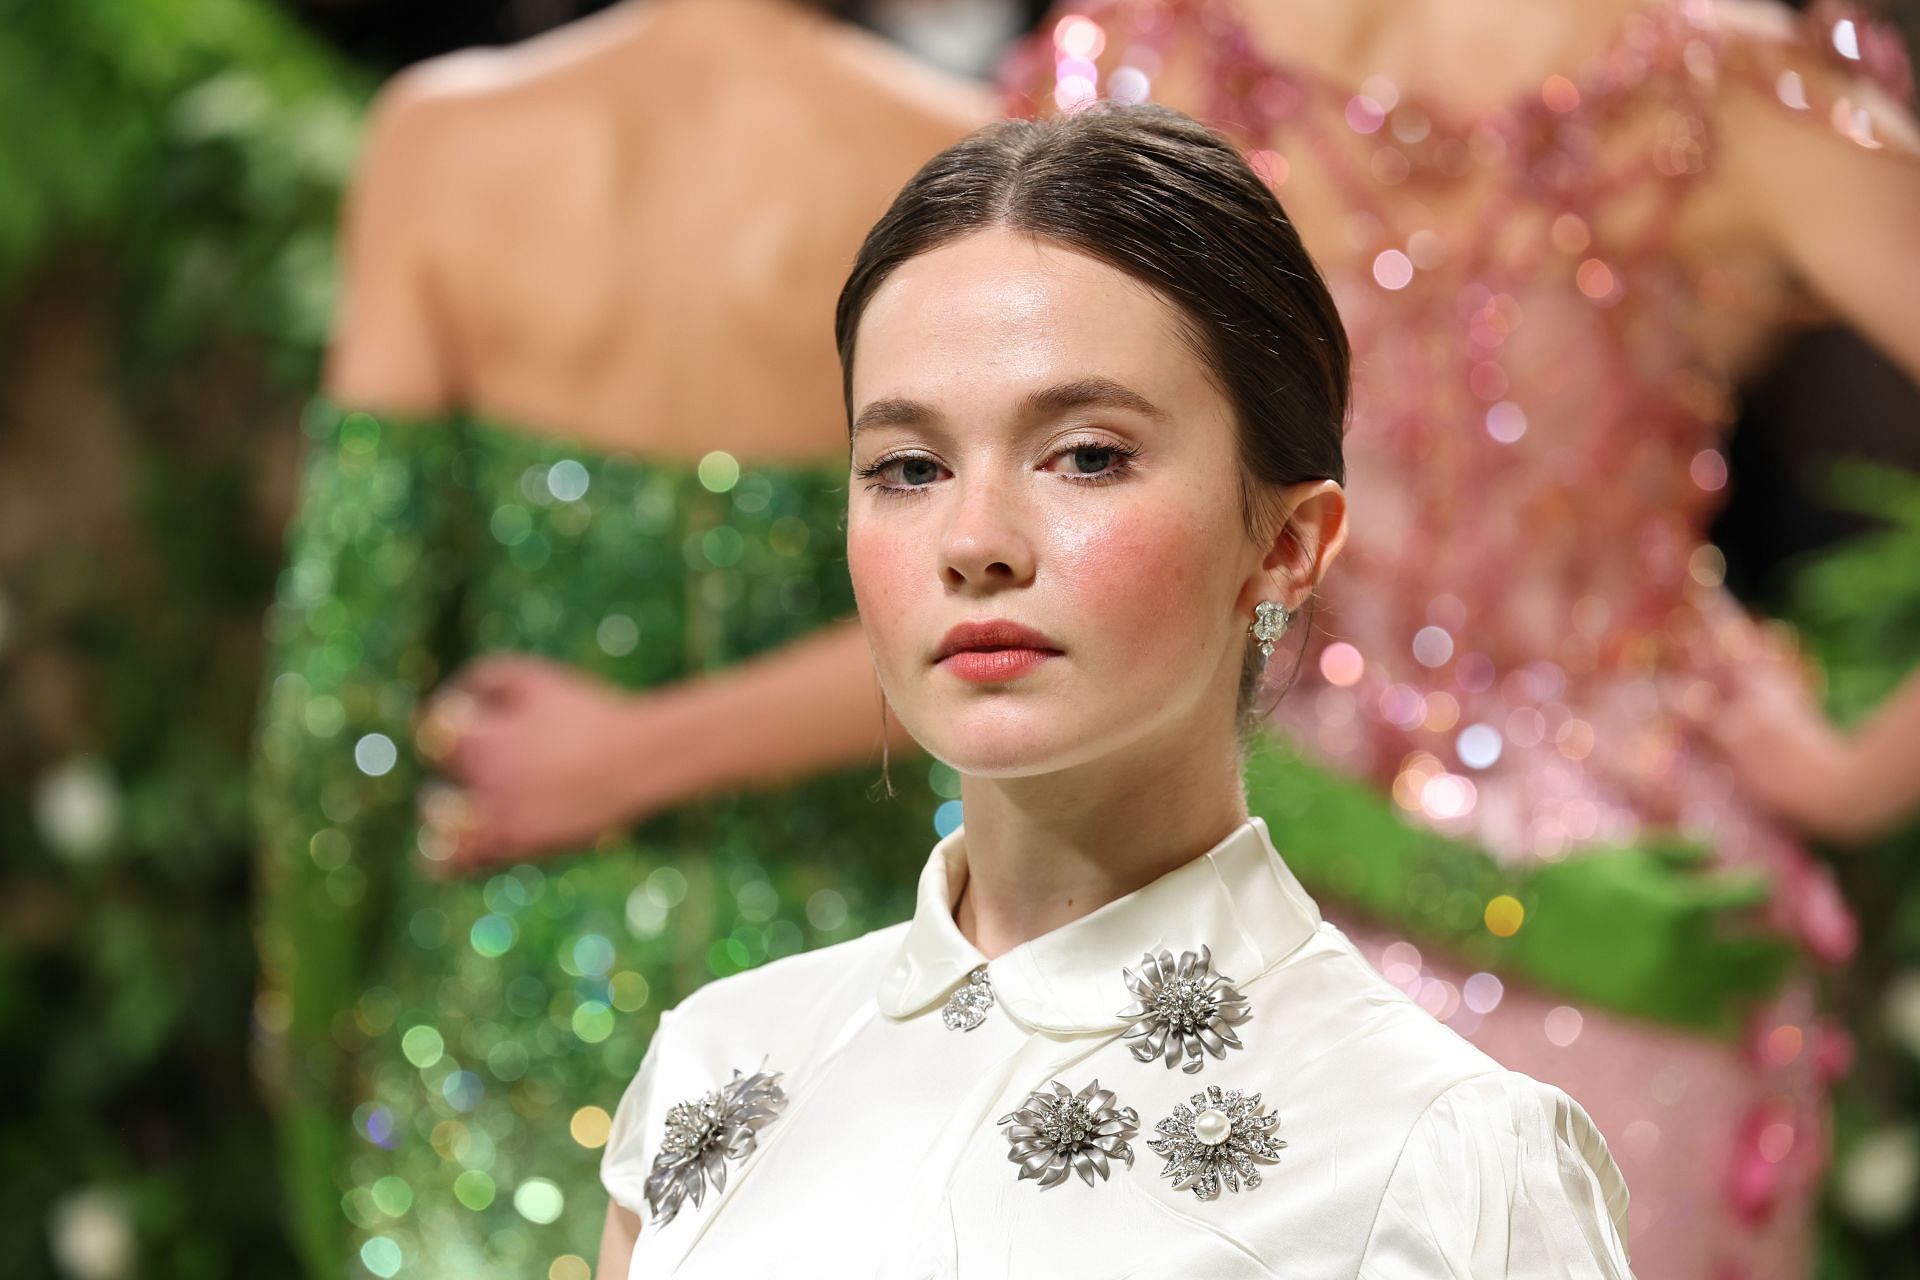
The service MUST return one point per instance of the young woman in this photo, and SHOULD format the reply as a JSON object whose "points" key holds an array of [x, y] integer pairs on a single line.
{"points": [[1096, 391]]}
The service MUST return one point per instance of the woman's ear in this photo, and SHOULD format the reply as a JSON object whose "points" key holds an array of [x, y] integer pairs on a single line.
{"points": [[1310, 534]]}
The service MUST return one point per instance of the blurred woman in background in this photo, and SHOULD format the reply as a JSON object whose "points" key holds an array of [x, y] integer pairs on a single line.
{"points": [[1559, 234], [581, 417]]}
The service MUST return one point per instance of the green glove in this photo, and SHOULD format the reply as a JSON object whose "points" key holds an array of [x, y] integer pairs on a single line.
{"points": [[1651, 930], [1646, 930]]}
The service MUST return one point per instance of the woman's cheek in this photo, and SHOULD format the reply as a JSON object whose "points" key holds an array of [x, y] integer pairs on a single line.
{"points": [[883, 568], [1131, 582]]}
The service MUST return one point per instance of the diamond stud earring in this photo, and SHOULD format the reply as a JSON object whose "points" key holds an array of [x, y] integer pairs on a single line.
{"points": [[1270, 619]]}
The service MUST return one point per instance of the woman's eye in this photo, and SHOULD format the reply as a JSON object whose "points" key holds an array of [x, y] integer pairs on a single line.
{"points": [[918, 471], [1095, 462], [909, 474], [1090, 459]]}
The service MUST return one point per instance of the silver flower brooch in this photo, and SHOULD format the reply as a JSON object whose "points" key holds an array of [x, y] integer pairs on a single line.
{"points": [[1184, 1008], [1217, 1141], [1057, 1131], [703, 1133]]}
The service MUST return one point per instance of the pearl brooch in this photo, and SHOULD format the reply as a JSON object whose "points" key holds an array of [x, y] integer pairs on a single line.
{"points": [[1217, 1141]]}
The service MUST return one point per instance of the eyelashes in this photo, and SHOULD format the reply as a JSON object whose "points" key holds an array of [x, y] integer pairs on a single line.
{"points": [[1122, 456]]}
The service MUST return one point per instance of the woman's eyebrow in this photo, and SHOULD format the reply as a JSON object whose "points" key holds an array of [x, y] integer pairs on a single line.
{"points": [[1095, 391], [893, 412], [1090, 392]]}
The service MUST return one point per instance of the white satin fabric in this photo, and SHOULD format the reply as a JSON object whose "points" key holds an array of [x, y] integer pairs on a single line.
{"points": [[1409, 1152]]}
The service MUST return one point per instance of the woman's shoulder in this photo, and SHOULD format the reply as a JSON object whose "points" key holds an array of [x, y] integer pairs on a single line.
{"points": [[1505, 1107], [1503, 1175], [784, 1010], [1343, 1008], [845, 972], [1473, 1155], [787, 1008]]}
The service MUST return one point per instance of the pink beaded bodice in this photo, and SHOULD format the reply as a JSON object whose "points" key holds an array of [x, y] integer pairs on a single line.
{"points": [[1540, 399]]}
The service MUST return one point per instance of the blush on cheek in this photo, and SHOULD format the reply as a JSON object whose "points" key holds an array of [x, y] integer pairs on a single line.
{"points": [[884, 573], [881, 563], [1140, 583]]}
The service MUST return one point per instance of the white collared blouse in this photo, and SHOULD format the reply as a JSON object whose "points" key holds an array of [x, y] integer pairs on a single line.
{"points": [[1408, 1152]]}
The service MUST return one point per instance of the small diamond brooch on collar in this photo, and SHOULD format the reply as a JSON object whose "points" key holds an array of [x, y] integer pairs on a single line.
{"points": [[967, 1007]]}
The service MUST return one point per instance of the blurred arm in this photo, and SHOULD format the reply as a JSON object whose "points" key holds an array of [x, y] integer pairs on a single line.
{"points": [[390, 346], [1841, 206], [349, 656], [1885, 786], [1834, 186], [808, 707], [617, 1238]]}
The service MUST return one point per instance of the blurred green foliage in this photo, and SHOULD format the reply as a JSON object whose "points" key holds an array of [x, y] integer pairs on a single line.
{"points": [[202, 143], [184, 159], [1857, 607], [196, 149]]}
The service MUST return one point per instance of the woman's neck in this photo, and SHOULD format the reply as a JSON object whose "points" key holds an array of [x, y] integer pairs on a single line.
{"points": [[1043, 851]]}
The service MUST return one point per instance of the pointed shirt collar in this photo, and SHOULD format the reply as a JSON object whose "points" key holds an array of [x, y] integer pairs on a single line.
{"points": [[1239, 898]]}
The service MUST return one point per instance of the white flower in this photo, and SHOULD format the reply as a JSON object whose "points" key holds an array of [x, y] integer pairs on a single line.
{"points": [[77, 808], [1900, 1009], [1876, 1181], [90, 1236]]}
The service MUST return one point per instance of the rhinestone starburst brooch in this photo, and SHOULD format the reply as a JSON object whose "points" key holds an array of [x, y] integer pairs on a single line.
{"points": [[967, 1007], [1184, 1007], [1216, 1141], [1056, 1131], [703, 1133]]}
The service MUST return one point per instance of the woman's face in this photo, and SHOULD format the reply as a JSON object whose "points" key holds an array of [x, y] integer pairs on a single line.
{"points": [[1035, 442]]}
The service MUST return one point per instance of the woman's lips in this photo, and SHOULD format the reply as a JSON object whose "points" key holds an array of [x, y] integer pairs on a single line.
{"points": [[988, 665]]}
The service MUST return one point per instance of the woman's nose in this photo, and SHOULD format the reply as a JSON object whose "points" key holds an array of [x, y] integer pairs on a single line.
{"points": [[985, 541]]}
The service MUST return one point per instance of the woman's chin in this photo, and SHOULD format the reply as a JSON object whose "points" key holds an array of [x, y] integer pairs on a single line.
{"points": [[1005, 741]]}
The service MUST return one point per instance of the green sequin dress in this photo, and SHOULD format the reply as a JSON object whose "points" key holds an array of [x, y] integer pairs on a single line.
{"points": [[437, 1051]]}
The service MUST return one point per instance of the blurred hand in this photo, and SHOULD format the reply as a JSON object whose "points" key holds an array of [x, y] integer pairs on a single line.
{"points": [[1764, 719], [535, 757]]}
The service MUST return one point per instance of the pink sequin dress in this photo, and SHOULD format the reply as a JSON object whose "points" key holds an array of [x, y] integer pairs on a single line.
{"points": [[1534, 457]]}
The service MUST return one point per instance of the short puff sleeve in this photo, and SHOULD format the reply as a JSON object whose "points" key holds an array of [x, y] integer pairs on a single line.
{"points": [[1502, 1176], [637, 1123]]}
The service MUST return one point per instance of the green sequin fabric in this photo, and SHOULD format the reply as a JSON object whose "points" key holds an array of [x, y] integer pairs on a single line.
{"points": [[435, 1051]]}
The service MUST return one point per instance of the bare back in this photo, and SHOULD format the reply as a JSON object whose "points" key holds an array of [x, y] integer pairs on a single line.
{"points": [[631, 232]]}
